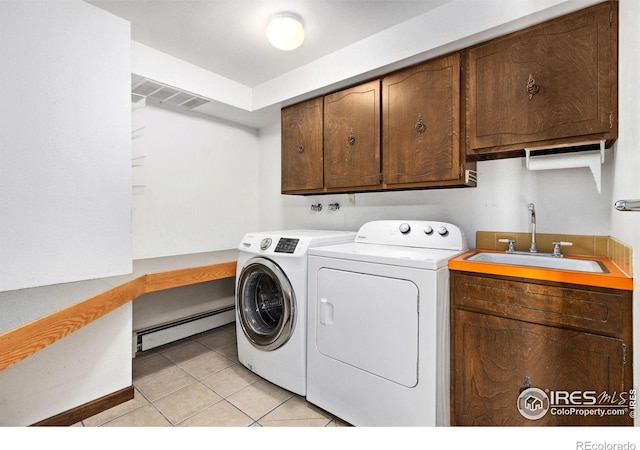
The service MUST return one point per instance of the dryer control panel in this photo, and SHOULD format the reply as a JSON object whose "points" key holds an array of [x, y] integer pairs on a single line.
{"points": [[413, 233]]}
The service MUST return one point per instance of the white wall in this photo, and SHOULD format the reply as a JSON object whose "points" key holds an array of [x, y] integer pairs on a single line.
{"points": [[626, 225], [84, 366], [65, 191], [566, 200], [65, 198], [200, 178], [201, 183]]}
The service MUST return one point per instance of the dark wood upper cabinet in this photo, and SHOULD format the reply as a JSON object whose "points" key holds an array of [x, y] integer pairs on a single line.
{"points": [[421, 125], [423, 135], [549, 84], [352, 138], [302, 147]]}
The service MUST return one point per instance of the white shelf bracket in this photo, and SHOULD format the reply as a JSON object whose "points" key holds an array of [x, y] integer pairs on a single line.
{"points": [[591, 159]]}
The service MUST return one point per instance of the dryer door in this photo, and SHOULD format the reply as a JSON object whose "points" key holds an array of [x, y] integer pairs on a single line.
{"points": [[265, 302], [369, 322]]}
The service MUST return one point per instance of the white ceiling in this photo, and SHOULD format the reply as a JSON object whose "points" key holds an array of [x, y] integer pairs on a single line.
{"points": [[227, 37], [347, 41]]}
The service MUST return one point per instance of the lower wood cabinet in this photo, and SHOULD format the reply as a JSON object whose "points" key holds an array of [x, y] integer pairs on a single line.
{"points": [[526, 353]]}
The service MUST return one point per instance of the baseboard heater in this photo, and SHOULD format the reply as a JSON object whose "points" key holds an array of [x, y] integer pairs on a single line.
{"points": [[149, 338]]}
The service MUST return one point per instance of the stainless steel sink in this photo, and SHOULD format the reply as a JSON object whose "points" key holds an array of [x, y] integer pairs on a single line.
{"points": [[543, 261]]}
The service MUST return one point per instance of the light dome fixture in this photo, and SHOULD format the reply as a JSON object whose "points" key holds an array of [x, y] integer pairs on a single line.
{"points": [[285, 31]]}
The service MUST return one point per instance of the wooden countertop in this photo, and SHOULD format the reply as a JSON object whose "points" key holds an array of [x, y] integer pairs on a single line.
{"points": [[615, 278], [34, 318]]}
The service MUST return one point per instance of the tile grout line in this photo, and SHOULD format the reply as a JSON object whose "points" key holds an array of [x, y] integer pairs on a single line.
{"points": [[226, 333]]}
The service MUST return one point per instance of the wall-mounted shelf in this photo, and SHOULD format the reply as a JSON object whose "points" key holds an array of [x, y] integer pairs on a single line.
{"points": [[137, 101], [138, 189], [137, 133], [137, 161]]}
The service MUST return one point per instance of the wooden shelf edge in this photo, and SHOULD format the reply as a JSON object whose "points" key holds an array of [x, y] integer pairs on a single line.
{"points": [[25, 340], [182, 277]]}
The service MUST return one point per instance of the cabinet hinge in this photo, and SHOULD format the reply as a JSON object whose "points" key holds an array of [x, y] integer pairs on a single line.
{"points": [[380, 177], [460, 171], [624, 353], [610, 120]]}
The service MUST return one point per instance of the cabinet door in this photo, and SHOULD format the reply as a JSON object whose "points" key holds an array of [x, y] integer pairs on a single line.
{"points": [[495, 358], [352, 137], [421, 123], [546, 84], [302, 147]]}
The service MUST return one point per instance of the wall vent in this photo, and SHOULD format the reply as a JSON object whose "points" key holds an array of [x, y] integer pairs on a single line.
{"points": [[166, 94]]}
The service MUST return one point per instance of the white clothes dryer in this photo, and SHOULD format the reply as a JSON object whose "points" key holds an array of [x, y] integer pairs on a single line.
{"points": [[378, 328], [271, 303]]}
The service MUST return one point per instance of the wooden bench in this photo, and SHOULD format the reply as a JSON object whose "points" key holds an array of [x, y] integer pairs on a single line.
{"points": [[33, 318]]}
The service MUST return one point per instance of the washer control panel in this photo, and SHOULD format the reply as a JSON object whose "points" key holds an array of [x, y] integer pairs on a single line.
{"points": [[265, 243], [291, 243], [286, 245]]}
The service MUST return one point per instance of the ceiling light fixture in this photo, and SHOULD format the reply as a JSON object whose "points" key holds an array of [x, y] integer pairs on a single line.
{"points": [[285, 31]]}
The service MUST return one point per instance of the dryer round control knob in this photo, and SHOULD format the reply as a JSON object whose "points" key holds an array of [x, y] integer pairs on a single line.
{"points": [[405, 228], [428, 230], [265, 243], [442, 231]]}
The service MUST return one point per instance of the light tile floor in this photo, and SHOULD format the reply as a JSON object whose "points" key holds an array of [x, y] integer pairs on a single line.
{"points": [[198, 381]]}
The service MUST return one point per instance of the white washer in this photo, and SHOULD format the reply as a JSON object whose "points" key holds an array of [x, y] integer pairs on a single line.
{"points": [[378, 328], [271, 302]]}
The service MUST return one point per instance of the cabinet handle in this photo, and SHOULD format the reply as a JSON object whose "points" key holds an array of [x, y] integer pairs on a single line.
{"points": [[532, 87], [301, 147], [420, 126], [352, 138]]}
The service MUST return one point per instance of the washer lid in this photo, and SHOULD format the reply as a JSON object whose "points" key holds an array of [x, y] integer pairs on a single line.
{"points": [[421, 258]]}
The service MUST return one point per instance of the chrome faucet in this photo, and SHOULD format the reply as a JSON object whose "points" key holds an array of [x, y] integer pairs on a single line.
{"points": [[532, 210]]}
